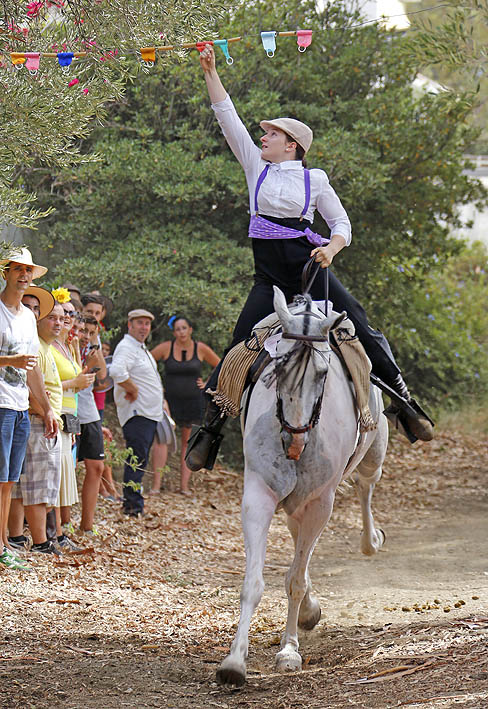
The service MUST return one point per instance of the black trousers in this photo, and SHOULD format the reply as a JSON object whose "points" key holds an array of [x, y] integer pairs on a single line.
{"points": [[280, 262], [139, 435]]}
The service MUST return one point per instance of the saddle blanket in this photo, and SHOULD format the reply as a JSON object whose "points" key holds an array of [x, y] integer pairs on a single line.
{"points": [[265, 335]]}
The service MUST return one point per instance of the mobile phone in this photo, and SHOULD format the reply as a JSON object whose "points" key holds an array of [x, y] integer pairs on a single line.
{"points": [[93, 370]]}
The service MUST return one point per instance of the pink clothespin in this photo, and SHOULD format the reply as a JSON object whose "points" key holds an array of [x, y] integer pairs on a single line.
{"points": [[304, 39], [32, 60]]}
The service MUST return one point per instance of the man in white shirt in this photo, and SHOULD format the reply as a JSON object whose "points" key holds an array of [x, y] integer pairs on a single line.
{"points": [[138, 395], [19, 372]]}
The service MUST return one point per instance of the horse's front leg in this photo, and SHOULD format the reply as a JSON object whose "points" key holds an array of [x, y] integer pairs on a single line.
{"points": [[310, 611], [307, 530], [258, 506]]}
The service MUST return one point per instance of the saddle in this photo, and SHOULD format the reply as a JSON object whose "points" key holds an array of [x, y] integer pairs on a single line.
{"points": [[245, 362]]}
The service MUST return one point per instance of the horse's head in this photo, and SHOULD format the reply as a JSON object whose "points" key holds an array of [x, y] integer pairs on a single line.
{"points": [[301, 366]]}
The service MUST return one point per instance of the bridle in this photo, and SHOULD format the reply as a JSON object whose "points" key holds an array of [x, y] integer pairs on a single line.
{"points": [[302, 343]]}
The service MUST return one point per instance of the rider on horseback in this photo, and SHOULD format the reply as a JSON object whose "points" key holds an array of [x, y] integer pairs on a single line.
{"points": [[284, 195]]}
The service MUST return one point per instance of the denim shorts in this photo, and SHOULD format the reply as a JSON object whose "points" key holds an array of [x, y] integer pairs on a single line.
{"points": [[14, 434]]}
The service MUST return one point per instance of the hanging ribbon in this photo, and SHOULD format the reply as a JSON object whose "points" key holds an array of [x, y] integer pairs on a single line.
{"points": [[64, 60], [18, 58], [269, 42], [148, 55], [304, 39], [224, 46], [32, 60]]}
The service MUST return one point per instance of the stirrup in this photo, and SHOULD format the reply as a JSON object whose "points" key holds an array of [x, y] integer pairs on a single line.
{"points": [[416, 426], [406, 416], [203, 447]]}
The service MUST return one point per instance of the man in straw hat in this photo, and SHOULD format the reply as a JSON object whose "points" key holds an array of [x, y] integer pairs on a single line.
{"points": [[19, 373], [39, 300]]}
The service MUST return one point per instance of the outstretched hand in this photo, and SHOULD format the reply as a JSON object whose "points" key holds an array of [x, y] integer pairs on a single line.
{"points": [[207, 58]]}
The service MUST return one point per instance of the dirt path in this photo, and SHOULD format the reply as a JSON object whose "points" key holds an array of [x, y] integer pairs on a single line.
{"points": [[144, 616]]}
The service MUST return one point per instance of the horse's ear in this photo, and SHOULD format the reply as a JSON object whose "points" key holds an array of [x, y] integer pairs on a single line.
{"points": [[332, 322], [342, 316], [281, 308]]}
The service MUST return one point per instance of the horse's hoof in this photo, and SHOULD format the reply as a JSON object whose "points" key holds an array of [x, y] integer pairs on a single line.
{"points": [[288, 661], [309, 617], [231, 673]]}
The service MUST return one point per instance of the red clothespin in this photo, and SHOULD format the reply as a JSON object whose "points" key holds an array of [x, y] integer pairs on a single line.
{"points": [[201, 45], [304, 39]]}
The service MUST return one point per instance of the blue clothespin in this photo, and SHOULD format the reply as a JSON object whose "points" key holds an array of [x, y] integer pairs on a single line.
{"points": [[65, 59], [224, 46], [269, 42]]}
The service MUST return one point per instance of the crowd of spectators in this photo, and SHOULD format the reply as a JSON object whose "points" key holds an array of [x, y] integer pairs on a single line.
{"points": [[54, 375]]}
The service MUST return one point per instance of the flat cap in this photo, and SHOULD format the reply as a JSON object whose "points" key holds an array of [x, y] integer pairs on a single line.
{"points": [[140, 313]]}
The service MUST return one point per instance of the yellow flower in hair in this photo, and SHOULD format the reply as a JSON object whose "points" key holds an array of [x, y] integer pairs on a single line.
{"points": [[62, 295]]}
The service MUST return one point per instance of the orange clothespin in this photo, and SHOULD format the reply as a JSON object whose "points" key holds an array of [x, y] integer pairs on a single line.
{"points": [[18, 58], [148, 55]]}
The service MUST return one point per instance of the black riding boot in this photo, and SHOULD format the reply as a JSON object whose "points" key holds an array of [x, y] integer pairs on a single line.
{"points": [[408, 417], [205, 440]]}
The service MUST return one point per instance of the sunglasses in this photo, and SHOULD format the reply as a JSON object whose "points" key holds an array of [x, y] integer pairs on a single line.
{"points": [[69, 313]]}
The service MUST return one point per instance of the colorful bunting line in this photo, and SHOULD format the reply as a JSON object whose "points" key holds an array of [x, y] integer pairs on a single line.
{"points": [[148, 54], [31, 60]]}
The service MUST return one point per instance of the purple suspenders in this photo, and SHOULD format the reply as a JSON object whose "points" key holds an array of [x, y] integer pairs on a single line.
{"points": [[306, 174], [261, 228], [258, 185], [261, 178]]}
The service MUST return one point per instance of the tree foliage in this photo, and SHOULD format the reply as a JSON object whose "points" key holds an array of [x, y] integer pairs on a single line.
{"points": [[43, 117], [161, 220], [451, 44]]}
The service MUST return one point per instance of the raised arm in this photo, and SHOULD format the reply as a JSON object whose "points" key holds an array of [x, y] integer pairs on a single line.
{"points": [[235, 132], [215, 87]]}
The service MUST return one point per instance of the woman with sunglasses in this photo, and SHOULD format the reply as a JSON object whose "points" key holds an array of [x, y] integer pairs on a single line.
{"points": [[73, 379], [283, 196]]}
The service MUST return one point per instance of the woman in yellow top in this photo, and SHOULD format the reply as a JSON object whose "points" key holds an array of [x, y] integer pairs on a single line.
{"points": [[73, 379]]}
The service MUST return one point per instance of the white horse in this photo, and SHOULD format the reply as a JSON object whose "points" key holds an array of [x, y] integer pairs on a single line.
{"points": [[300, 441]]}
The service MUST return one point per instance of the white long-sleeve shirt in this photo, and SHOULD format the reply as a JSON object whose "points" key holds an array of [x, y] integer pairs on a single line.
{"points": [[282, 194], [132, 359]]}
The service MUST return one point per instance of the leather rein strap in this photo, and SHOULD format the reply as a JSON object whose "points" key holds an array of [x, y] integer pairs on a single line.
{"points": [[308, 278]]}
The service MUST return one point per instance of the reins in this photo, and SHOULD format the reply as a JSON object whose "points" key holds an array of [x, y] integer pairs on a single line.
{"points": [[308, 277]]}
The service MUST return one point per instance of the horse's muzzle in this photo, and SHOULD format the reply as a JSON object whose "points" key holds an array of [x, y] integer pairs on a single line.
{"points": [[294, 444]]}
